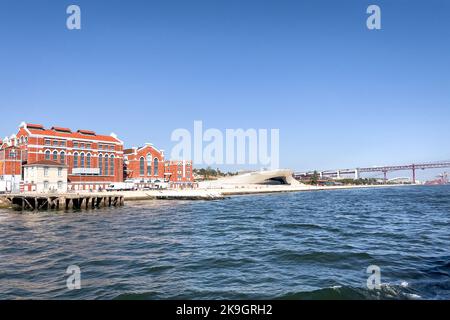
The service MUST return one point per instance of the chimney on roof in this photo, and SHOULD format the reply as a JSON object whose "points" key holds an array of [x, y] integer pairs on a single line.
{"points": [[35, 126], [87, 132], [60, 129]]}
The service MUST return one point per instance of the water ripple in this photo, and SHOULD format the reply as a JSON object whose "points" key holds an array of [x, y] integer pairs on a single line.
{"points": [[313, 245]]}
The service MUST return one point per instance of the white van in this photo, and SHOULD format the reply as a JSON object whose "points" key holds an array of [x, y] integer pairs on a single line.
{"points": [[161, 185], [121, 186]]}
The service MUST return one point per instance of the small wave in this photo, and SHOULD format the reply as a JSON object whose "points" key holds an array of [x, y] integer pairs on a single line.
{"points": [[321, 256], [306, 226], [157, 269], [387, 292]]}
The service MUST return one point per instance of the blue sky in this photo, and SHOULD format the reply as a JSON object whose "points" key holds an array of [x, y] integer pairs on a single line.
{"points": [[341, 95]]}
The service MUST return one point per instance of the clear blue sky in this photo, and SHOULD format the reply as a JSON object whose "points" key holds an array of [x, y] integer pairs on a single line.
{"points": [[341, 95]]}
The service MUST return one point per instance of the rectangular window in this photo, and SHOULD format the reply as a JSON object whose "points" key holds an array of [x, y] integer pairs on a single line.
{"points": [[63, 144], [100, 164], [45, 171], [59, 172], [55, 143], [46, 185], [47, 142], [75, 145], [111, 167], [60, 185]]}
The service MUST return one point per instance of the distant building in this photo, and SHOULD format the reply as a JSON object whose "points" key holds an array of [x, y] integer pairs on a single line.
{"points": [[270, 177], [179, 172], [45, 176]]}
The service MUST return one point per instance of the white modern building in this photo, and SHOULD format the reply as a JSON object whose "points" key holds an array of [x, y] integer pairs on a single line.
{"points": [[269, 177], [45, 176]]}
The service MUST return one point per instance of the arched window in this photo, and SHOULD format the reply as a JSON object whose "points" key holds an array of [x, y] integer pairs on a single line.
{"points": [[55, 155], [100, 164], [142, 166], [62, 157], [82, 160], [47, 155], [75, 160], [88, 160], [155, 167], [111, 167], [149, 164], [106, 165]]}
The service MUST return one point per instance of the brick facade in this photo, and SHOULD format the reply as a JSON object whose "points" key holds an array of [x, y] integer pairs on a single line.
{"points": [[144, 164], [179, 171], [93, 160]]}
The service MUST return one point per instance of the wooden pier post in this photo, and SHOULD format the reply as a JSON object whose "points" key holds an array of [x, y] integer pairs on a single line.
{"points": [[69, 201]]}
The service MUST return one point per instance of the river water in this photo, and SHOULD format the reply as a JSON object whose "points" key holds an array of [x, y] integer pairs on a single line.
{"points": [[305, 245]]}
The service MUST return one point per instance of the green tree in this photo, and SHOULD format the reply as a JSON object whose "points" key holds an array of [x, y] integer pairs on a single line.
{"points": [[315, 178]]}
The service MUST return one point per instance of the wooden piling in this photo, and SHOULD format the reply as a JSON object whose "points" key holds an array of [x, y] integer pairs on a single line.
{"points": [[37, 202]]}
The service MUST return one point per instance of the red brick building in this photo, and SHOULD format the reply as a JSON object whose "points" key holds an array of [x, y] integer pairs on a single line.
{"points": [[147, 165], [10, 167], [144, 164], [179, 172], [93, 160]]}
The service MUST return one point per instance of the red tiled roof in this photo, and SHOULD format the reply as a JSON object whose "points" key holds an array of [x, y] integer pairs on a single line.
{"points": [[35, 126], [73, 135], [60, 129], [46, 163], [88, 132]]}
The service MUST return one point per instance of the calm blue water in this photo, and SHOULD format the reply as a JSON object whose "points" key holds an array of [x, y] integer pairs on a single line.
{"points": [[310, 245]]}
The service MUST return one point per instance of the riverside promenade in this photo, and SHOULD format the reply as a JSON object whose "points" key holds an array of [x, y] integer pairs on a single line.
{"points": [[37, 202], [225, 192]]}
